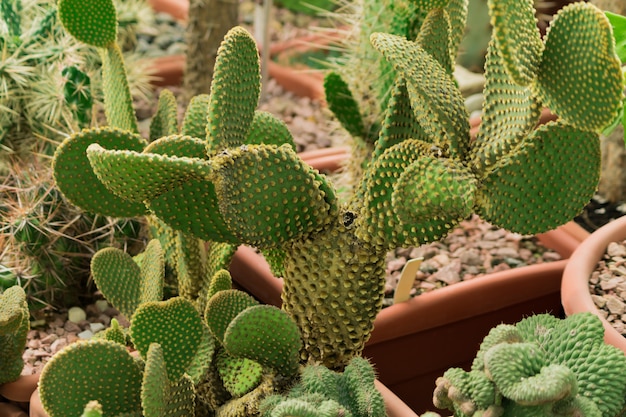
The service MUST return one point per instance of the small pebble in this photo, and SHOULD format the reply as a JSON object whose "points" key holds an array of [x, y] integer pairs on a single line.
{"points": [[86, 334], [76, 314]]}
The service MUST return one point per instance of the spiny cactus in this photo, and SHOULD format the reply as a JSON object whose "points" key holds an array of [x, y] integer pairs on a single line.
{"points": [[50, 81], [424, 177], [542, 366], [14, 326], [322, 392], [47, 242]]}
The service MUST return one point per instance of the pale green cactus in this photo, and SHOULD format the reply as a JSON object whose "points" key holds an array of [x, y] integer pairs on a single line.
{"points": [[14, 327], [424, 177], [542, 366]]}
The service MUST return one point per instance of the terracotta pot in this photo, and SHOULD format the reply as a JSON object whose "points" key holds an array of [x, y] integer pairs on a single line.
{"points": [[17, 394], [575, 294]]}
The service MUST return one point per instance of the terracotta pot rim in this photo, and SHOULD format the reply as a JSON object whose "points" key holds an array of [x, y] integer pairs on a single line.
{"points": [[575, 295]]}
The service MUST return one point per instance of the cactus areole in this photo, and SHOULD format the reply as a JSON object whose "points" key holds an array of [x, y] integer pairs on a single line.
{"points": [[231, 173]]}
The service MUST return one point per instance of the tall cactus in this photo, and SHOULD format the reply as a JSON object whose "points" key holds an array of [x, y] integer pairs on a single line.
{"points": [[425, 175]]}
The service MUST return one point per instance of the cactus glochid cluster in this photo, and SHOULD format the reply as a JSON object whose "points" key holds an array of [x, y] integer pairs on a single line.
{"points": [[542, 366], [230, 175]]}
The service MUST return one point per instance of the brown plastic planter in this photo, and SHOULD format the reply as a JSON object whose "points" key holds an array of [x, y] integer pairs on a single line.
{"points": [[17, 395], [575, 293]]}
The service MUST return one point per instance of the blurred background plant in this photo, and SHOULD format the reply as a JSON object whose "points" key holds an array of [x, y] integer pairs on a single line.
{"points": [[42, 70]]}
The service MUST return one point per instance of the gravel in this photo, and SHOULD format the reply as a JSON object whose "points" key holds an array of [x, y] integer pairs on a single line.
{"points": [[607, 286]]}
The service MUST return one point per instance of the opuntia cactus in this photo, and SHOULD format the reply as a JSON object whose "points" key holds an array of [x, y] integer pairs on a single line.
{"points": [[425, 174], [542, 366], [14, 327]]}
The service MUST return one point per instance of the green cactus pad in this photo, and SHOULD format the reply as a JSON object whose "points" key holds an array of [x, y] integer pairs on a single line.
{"points": [[12, 309], [223, 307], [165, 121], [399, 123], [204, 356], [431, 186], [143, 176], [431, 4], [175, 325], [93, 22], [115, 333], [239, 375], [363, 395], [434, 38], [220, 281], [124, 283], [510, 111], [156, 385], [343, 105], [189, 265], [14, 327], [192, 206], [235, 90], [265, 334], [269, 130], [435, 99], [580, 77], [457, 12], [196, 115], [92, 409], [118, 101], [517, 36], [524, 182], [383, 177], [268, 195], [75, 177], [78, 373], [152, 271], [182, 399]]}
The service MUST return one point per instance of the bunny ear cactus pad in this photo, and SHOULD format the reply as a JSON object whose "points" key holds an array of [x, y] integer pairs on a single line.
{"points": [[343, 105], [164, 123], [93, 370], [234, 91], [175, 325], [580, 76], [434, 37], [93, 22], [192, 205], [431, 186], [14, 326], [267, 335], [223, 307], [268, 195], [141, 177], [155, 386], [435, 99], [196, 115], [510, 111], [519, 193], [75, 177], [269, 130], [125, 283], [239, 375], [517, 37]]}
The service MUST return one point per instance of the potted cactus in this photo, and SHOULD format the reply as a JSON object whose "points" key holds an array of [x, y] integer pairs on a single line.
{"points": [[231, 176], [541, 366], [15, 389], [229, 355]]}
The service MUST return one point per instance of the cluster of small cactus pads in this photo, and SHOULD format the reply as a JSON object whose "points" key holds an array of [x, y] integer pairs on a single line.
{"points": [[230, 175]]}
